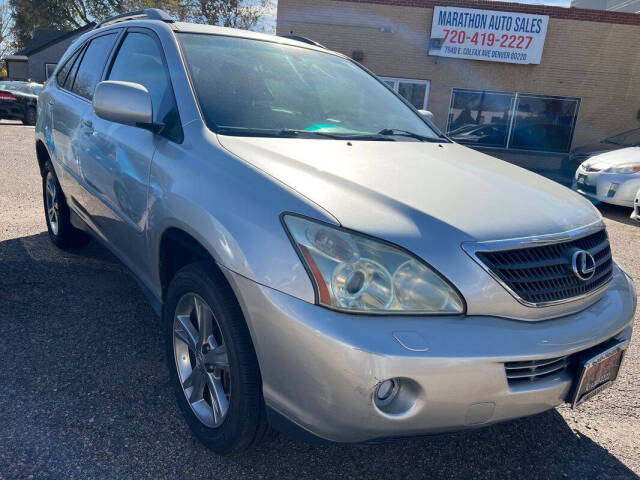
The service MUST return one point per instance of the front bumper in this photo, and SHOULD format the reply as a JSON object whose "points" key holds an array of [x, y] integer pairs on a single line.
{"points": [[320, 368], [614, 188], [12, 110], [635, 215]]}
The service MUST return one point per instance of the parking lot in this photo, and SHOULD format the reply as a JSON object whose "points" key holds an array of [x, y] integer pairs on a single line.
{"points": [[84, 389]]}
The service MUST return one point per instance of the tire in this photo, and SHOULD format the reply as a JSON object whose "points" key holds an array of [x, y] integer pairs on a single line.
{"points": [[57, 214], [199, 286], [30, 116]]}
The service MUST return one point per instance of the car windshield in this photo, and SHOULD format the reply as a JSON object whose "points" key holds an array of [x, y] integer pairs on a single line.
{"points": [[248, 87], [628, 139]]}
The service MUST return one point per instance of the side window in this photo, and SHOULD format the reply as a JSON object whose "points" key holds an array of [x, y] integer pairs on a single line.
{"points": [[140, 60], [92, 64], [64, 71]]}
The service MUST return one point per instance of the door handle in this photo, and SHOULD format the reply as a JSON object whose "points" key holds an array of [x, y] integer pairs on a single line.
{"points": [[87, 125]]}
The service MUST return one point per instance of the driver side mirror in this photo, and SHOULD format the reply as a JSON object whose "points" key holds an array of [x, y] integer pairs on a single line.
{"points": [[124, 102], [426, 114]]}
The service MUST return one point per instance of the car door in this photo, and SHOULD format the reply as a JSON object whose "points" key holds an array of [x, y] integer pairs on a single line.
{"points": [[117, 160], [69, 104], [66, 111]]}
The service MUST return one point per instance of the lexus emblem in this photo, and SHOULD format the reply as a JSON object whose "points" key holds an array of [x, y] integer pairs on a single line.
{"points": [[583, 265]]}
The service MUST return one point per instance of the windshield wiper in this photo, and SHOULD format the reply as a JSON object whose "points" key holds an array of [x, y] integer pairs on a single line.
{"points": [[293, 133], [406, 133], [289, 132], [268, 132], [337, 136]]}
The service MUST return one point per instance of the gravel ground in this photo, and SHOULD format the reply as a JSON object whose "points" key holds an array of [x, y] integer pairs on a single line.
{"points": [[84, 389]]}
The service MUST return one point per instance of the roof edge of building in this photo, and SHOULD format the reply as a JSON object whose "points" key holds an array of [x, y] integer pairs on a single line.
{"points": [[572, 13], [66, 34]]}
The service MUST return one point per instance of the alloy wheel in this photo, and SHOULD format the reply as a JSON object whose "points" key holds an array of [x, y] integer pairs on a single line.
{"points": [[202, 360], [53, 211]]}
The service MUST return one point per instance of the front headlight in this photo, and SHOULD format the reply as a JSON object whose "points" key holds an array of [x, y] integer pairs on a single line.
{"points": [[355, 273], [632, 167]]}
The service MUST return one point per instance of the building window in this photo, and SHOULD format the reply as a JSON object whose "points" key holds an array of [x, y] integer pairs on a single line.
{"points": [[519, 121], [480, 118], [416, 92], [49, 69], [544, 123]]}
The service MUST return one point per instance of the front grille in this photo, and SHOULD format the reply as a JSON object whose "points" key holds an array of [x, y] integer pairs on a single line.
{"points": [[544, 274], [535, 369]]}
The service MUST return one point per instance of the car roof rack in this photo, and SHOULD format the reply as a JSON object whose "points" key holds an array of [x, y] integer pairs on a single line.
{"points": [[150, 13], [302, 39]]}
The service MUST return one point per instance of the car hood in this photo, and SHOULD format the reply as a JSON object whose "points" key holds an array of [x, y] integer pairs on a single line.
{"points": [[615, 157], [409, 192]]}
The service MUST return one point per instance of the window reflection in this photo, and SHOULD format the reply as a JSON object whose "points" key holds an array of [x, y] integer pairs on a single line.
{"points": [[480, 118], [544, 123], [512, 120]]}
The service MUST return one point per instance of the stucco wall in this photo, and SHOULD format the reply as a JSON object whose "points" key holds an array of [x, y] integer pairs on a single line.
{"points": [[596, 61]]}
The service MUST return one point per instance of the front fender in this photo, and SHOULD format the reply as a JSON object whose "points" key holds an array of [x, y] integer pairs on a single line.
{"points": [[231, 208]]}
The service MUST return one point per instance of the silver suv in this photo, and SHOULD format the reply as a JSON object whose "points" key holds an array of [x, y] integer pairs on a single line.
{"points": [[324, 259]]}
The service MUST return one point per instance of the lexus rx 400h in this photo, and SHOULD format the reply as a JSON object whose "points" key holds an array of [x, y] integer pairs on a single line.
{"points": [[324, 259]]}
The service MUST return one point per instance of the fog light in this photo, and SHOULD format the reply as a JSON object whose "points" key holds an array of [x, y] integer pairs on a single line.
{"points": [[385, 389], [386, 392], [612, 189], [396, 396]]}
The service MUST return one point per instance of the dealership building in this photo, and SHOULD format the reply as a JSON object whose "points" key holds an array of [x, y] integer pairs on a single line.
{"points": [[506, 77]]}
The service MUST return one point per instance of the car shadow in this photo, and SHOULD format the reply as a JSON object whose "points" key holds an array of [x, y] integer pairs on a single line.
{"points": [[85, 392], [617, 214]]}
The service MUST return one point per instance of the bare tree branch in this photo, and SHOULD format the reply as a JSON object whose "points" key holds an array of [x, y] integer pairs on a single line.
{"points": [[27, 16], [5, 29]]}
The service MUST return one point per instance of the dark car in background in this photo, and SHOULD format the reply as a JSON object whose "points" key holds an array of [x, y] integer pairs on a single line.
{"points": [[630, 138], [19, 101]]}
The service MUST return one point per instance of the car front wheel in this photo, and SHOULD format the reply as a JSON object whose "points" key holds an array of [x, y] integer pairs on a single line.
{"points": [[212, 361]]}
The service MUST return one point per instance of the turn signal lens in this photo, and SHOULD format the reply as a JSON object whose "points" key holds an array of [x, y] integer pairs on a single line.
{"points": [[355, 273]]}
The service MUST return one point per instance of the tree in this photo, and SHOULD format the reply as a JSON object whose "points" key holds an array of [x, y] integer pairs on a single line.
{"points": [[232, 13], [30, 15], [5, 30]]}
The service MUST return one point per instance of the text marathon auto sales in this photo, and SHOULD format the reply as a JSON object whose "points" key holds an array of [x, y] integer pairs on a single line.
{"points": [[485, 21]]}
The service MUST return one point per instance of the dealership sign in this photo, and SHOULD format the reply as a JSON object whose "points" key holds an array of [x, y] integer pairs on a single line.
{"points": [[487, 35]]}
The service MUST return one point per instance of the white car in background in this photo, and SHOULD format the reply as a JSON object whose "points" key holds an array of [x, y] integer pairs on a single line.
{"points": [[611, 177]]}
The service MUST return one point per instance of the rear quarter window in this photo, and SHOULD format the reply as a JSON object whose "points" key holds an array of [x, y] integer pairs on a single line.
{"points": [[62, 75]]}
